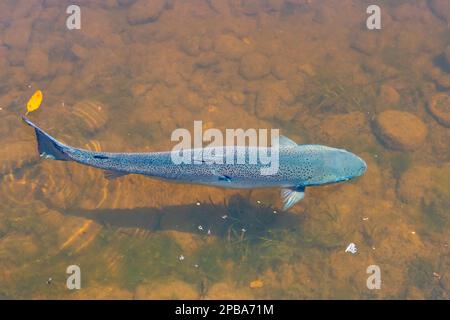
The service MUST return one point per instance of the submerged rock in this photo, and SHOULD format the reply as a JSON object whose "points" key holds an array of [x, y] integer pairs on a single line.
{"points": [[428, 187], [414, 183], [230, 46], [144, 11], [18, 34], [441, 8], [190, 45], [254, 66], [400, 130], [439, 106], [389, 95]]}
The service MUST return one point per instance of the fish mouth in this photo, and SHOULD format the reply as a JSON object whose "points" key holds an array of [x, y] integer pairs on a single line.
{"points": [[363, 167]]}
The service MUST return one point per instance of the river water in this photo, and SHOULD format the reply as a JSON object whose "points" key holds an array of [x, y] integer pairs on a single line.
{"points": [[137, 70]]}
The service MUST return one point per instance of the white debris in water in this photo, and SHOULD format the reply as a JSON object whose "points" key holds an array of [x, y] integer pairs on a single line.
{"points": [[275, 211], [351, 248], [243, 230], [200, 227], [224, 216]]}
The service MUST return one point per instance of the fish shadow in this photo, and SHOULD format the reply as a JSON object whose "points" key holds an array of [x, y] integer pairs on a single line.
{"points": [[235, 216]]}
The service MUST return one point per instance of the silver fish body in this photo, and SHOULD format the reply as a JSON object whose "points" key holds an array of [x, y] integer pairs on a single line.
{"points": [[299, 166]]}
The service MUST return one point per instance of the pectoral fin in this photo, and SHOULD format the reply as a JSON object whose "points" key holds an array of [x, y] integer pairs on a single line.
{"points": [[221, 177], [291, 196]]}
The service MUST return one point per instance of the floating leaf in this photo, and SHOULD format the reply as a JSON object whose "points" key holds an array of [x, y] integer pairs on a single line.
{"points": [[256, 284], [34, 102]]}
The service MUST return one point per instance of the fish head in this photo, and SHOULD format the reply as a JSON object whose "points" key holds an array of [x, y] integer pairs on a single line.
{"points": [[341, 165]]}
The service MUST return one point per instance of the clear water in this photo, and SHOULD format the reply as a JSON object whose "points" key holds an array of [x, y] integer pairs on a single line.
{"points": [[122, 83]]}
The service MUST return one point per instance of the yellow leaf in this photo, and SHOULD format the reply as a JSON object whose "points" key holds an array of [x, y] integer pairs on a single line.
{"points": [[256, 284], [34, 102]]}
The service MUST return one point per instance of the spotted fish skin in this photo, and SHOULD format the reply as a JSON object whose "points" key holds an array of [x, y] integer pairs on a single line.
{"points": [[299, 166]]}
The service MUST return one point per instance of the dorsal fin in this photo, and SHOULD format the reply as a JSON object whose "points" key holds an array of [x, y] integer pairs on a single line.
{"points": [[286, 142]]}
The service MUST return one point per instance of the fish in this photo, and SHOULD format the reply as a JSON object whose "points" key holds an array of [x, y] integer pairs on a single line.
{"points": [[300, 166]]}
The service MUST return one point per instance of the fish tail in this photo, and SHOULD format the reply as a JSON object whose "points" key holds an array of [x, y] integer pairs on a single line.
{"points": [[48, 146]]}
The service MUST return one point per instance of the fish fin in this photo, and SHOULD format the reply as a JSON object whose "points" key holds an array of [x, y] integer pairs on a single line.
{"points": [[111, 174], [291, 196], [225, 178], [48, 147], [221, 177], [286, 142]]}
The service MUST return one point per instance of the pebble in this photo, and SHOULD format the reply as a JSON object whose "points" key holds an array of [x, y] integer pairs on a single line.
{"points": [[400, 130], [254, 66], [439, 107], [143, 11]]}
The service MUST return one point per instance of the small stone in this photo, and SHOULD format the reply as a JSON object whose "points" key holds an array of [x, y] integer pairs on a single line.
{"points": [[400, 130], [441, 8], [235, 97], [389, 95], [191, 45], [439, 107], [230, 46], [80, 52], [144, 11], [256, 284], [282, 69], [18, 34], [254, 66]]}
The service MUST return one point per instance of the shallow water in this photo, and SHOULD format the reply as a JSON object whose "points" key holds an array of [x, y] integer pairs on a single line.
{"points": [[131, 75]]}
